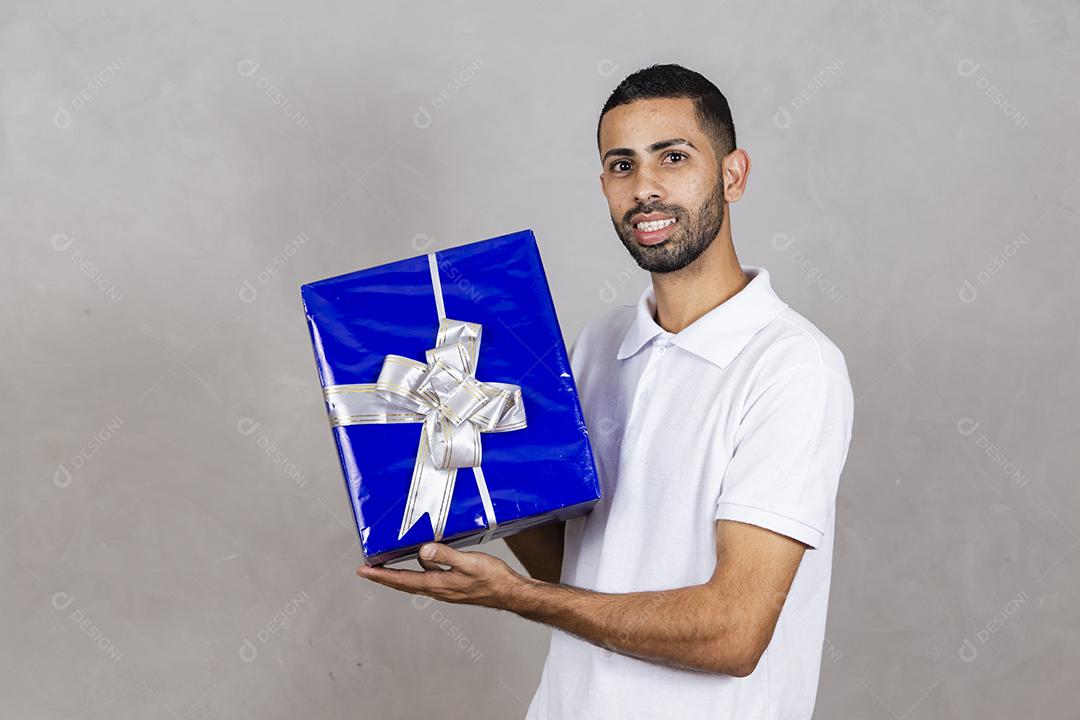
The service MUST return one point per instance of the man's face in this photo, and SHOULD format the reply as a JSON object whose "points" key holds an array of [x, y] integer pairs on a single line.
{"points": [[662, 182]]}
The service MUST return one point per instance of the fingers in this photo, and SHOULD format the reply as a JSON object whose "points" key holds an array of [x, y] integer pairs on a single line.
{"points": [[408, 580], [434, 579]]}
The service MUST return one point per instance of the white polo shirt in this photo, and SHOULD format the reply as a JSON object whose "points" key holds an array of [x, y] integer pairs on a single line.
{"points": [[744, 415]]}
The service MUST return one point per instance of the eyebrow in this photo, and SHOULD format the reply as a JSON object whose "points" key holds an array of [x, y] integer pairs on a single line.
{"points": [[655, 147]]}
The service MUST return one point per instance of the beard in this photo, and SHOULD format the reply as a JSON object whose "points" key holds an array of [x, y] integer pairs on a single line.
{"points": [[693, 233]]}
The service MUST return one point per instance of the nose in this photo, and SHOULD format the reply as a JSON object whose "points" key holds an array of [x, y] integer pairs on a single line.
{"points": [[647, 188]]}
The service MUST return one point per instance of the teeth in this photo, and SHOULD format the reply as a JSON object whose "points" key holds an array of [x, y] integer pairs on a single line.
{"points": [[655, 225]]}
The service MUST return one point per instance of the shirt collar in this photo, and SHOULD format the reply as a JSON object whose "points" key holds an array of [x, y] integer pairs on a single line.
{"points": [[720, 334]]}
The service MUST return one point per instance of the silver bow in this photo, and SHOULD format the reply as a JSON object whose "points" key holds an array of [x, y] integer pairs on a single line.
{"points": [[454, 407]]}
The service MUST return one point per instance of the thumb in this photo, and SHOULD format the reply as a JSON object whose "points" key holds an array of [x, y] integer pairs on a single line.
{"points": [[442, 554]]}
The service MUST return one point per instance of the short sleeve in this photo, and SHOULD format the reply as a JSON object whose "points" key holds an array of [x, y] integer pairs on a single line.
{"points": [[790, 449]]}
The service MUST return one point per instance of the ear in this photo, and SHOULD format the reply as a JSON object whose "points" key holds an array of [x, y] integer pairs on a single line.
{"points": [[602, 187], [736, 173]]}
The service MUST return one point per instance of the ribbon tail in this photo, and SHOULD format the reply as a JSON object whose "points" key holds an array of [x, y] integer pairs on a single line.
{"points": [[430, 492], [485, 500]]}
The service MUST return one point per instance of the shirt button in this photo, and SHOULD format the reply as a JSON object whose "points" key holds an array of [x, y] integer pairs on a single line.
{"points": [[661, 349]]}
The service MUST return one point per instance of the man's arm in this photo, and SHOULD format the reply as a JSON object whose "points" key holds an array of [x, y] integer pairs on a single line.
{"points": [[720, 626], [540, 550]]}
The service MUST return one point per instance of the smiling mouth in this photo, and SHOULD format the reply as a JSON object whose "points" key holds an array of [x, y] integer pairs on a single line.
{"points": [[654, 232], [654, 225]]}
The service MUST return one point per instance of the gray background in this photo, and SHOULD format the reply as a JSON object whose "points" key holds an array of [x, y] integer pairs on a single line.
{"points": [[175, 541]]}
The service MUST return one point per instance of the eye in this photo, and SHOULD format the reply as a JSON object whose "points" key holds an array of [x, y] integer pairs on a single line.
{"points": [[676, 153], [615, 166]]}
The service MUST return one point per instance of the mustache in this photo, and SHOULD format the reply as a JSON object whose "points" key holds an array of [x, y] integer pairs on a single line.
{"points": [[672, 210]]}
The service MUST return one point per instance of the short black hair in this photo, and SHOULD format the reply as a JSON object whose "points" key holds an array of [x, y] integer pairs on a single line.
{"points": [[675, 81]]}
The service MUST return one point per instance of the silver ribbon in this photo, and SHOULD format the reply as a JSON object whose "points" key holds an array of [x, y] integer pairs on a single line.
{"points": [[454, 407]]}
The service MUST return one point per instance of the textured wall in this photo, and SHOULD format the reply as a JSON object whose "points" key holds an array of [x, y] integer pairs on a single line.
{"points": [[175, 540]]}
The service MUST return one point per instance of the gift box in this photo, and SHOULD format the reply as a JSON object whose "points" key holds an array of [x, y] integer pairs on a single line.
{"points": [[450, 397]]}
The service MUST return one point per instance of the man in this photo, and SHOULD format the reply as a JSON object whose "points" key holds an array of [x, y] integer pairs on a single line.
{"points": [[720, 420]]}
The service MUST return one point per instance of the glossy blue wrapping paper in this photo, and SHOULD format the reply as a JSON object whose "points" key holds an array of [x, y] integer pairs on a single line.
{"points": [[541, 473]]}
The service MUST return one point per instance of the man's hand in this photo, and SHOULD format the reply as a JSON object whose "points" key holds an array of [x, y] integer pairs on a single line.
{"points": [[720, 626], [473, 578]]}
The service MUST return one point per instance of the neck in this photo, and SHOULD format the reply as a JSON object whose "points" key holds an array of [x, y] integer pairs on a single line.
{"points": [[685, 295]]}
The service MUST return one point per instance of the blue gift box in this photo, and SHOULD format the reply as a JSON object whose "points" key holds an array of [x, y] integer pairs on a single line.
{"points": [[451, 398]]}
